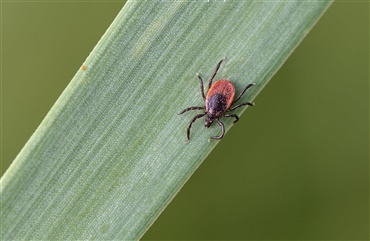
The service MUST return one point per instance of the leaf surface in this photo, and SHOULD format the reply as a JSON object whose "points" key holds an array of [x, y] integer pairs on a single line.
{"points": [[111, 153]]}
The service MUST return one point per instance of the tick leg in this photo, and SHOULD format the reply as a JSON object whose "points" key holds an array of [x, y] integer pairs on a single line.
{"points": [[232, 115], [242, 93], [240, 105], [192, 108], [201, 86], [214, 73], [191, 122], [222, 131]]}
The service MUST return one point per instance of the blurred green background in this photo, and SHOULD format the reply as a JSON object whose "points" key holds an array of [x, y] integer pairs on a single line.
{"points": [[305, 175]]}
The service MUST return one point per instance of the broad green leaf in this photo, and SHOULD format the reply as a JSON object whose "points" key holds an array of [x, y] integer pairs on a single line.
{"points": [[112, 152]]}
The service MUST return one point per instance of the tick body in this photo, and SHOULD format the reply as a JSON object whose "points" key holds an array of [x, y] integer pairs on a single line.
{"points": [[220, 97], [218, 102]]}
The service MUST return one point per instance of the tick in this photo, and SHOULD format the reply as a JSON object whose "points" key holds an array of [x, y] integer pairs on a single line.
{"points": [[218, 102]]}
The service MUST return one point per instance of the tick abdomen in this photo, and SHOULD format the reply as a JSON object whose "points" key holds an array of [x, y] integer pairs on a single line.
{"points": [[220, 97]]}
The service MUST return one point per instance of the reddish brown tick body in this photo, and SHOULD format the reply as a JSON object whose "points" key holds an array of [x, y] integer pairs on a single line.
{"points": [[219, 100]]}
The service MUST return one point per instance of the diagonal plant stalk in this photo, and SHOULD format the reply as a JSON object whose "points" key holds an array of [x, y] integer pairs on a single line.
{"points": [[111, 153]]}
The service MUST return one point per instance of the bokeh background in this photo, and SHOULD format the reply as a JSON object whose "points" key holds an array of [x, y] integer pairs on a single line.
{"points": [[304, 172]]}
